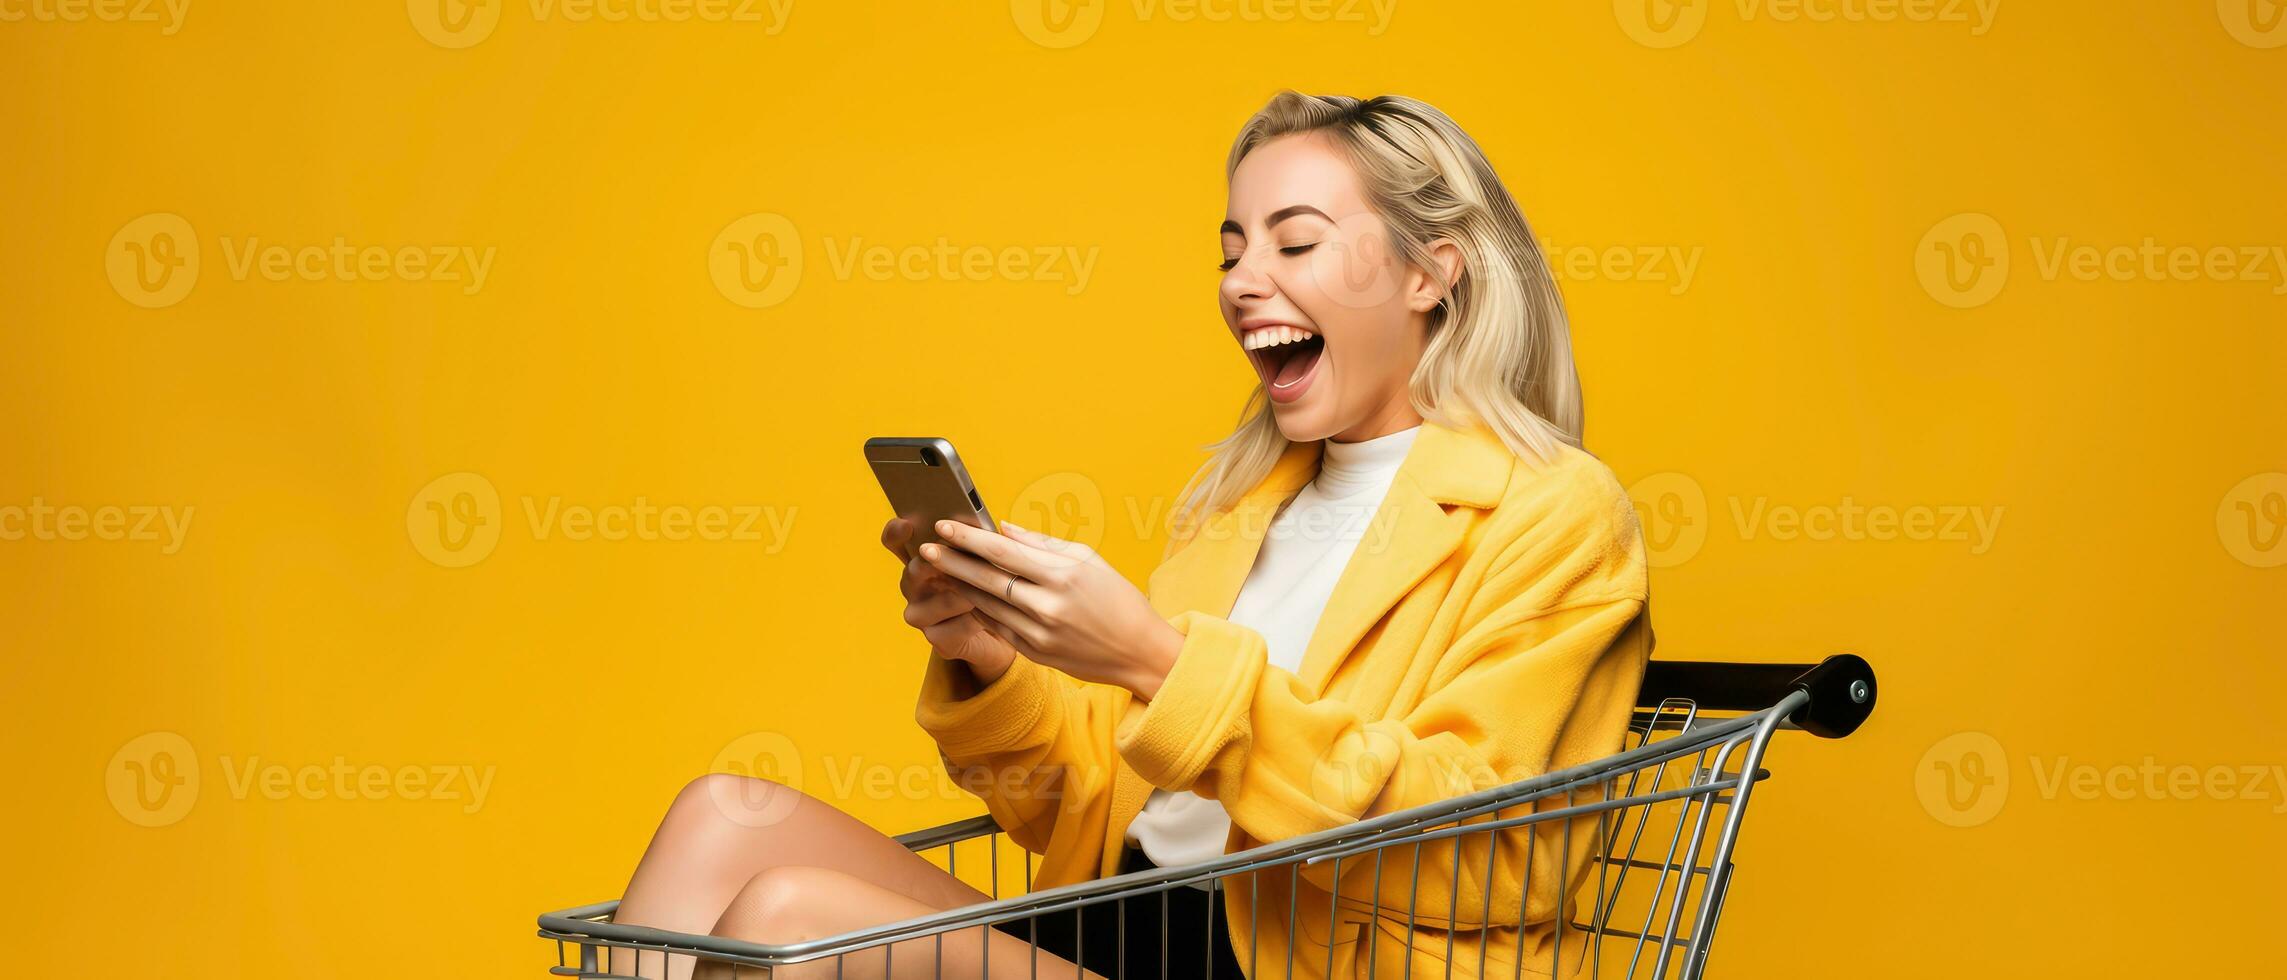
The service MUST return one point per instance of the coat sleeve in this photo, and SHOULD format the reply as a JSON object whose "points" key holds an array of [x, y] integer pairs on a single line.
{"points": [[1540, 675], [1034, 744]]}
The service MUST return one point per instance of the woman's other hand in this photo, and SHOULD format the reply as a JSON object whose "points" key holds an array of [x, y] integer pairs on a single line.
{"points": [[945, 618], [1059, 604]]}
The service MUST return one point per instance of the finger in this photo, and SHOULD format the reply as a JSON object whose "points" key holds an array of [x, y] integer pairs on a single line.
{"points": [[895, 535], [965, 567], [930, 610], [922, 578], [957, 635], [997, 610], [999, 549], [1035, 539]]}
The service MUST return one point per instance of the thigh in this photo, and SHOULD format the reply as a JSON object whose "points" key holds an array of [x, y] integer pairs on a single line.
{"points": [[723, 831], [744, 826]]}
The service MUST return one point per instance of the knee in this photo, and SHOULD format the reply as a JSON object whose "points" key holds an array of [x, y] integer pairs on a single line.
{"points": [[719, 803], [784, 904]]}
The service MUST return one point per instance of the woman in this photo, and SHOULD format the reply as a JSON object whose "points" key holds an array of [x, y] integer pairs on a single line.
{"points": [[1400, 580]]}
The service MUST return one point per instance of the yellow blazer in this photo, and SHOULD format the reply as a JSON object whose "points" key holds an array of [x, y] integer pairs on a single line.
{"points": [[1491, 626]]}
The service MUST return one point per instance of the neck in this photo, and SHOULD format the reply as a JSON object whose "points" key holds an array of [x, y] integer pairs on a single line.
{"points": [[1396, 416]]}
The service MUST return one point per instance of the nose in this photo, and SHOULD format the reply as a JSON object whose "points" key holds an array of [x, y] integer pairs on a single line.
{"points": [[1245, 285]]}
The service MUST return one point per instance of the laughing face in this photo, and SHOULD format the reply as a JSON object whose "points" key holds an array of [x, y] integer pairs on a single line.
{"points": [[1332, 317]]}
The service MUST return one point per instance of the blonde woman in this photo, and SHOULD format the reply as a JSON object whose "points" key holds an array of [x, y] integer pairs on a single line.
{"points": [[1400, 569]]}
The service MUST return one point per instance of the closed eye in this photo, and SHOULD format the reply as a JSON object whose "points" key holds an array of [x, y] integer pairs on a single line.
{"points": [[1226, 264]]}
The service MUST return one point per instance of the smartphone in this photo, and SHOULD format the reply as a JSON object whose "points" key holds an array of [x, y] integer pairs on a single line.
{"points": [[926, 483]]}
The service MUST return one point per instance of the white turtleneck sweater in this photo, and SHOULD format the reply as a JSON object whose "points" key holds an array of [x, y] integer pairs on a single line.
{"points": [[1302, 556]]}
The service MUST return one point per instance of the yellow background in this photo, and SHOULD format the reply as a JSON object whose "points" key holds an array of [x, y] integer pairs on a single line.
{"points": [[2110, 620]]}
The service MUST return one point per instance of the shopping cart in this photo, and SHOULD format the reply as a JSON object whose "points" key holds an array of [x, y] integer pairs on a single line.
{"points": [[1665, 814]]}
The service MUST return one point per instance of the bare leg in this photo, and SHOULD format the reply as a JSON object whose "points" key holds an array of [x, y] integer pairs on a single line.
{"points": [[723, 831], [790, 904]]}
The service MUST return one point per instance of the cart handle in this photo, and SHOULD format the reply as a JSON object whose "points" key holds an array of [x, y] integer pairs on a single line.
{"points": [[1841, 689]]}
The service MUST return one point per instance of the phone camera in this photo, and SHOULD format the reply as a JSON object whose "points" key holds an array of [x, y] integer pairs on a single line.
{"points": [[930, 457]]}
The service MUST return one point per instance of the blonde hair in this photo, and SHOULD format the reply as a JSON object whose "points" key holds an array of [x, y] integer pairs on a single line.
{"points": [[1499, 351]]}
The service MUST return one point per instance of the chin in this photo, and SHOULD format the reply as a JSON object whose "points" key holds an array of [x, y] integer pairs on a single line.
{"points": [[1303, 421]]}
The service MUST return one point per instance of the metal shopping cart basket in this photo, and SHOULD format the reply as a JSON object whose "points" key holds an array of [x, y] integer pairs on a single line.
{"points": [[1665, 814]]}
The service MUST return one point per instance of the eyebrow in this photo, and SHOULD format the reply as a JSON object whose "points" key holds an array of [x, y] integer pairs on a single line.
{"points": [[1293, 210]]}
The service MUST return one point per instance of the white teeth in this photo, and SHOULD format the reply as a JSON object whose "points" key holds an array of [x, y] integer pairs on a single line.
{"points": [[1273, 336]]}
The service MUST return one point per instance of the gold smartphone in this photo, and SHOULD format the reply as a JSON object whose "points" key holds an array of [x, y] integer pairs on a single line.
{"points": [[926, 483]]}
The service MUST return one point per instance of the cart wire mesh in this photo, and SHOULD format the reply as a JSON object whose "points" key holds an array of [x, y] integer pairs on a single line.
{"points": [[1639, 845]]}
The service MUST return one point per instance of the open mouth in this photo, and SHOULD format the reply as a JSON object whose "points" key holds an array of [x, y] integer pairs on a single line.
{"points": [[1285, 356]]}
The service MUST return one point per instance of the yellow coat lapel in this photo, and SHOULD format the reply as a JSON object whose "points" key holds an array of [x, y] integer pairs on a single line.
{"points": [[1413, 532]]}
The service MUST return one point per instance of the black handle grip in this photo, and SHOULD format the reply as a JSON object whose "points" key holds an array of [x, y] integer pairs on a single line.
{"points": [[1841, 689]]}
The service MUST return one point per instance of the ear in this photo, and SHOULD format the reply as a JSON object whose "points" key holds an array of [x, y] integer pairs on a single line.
{"points": [[1425, 288]]}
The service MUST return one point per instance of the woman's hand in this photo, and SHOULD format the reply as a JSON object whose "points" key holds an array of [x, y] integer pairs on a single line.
{"points": [[1059, 604], [934, 606]]}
